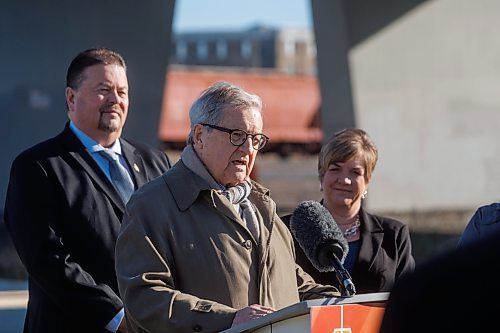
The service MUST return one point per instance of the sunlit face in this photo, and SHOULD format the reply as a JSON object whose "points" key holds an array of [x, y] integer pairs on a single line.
{"points": [[99, 106], [229, 164], [344, 184]]}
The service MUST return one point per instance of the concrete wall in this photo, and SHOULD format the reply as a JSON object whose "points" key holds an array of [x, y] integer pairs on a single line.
{"points": [[427, 90], [38, 39]]}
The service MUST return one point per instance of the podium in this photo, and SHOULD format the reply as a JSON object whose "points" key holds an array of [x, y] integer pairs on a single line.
{"points": [[358, 314]]}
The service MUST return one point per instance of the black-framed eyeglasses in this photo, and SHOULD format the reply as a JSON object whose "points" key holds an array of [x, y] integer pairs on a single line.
{"points": [[238, 136]]}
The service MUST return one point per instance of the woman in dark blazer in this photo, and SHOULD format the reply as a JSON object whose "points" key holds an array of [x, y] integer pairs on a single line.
{"points": [[379, 247]]}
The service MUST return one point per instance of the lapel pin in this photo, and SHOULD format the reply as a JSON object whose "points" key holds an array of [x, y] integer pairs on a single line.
{"points": [[136, 167]]}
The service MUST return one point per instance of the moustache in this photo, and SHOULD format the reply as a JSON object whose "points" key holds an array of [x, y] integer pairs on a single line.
{"points": [[109, 109]]}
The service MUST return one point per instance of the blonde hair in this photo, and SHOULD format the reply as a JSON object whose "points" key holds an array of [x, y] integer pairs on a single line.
{"points": [[344, 145]]}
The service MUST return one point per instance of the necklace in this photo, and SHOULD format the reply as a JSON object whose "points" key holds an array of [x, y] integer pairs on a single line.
{"points": [[352, 230]]}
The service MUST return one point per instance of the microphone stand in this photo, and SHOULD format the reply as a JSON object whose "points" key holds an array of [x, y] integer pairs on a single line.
{"points": [[344, 278], [328, 256]]}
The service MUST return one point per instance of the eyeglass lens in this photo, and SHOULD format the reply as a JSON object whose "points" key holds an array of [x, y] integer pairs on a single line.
{"points": [[238, 138]]}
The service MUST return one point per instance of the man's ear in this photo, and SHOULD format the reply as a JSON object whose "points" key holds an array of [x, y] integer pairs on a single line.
{"points": [[70, 98], [198, 136]]}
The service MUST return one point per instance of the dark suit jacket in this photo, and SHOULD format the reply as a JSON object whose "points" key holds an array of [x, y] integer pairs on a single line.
{"points": [[384, 255], [64, 216], [455, 291]]}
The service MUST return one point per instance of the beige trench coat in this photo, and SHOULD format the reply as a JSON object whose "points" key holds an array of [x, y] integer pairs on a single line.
{"points": [[186, 262]]}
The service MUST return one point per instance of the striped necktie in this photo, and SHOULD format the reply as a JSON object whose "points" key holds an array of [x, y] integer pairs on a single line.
{"points": [[119, 175]]}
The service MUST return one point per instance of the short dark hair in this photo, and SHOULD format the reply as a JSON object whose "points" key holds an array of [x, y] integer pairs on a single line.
{"points": [[91, 57]]}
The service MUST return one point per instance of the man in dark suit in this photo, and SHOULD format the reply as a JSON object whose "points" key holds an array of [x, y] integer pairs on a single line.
{"points": [[64, 207]]}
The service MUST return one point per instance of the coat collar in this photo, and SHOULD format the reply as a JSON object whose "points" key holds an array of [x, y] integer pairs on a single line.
{"points": [[186, 187]]}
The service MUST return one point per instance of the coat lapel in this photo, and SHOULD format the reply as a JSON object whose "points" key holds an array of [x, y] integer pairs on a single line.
{"points": [[372, 237], [223, 205], [77, 150], [135, 164], [266, 208]]}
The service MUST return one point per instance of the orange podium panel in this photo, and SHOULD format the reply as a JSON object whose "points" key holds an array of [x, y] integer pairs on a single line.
{"points": [[357, 314], [348, 318]]}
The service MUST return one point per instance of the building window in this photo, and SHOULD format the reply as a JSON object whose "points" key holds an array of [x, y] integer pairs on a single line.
{"points": [[221, 49], [181, 50], [246, 49], [202, 50], [289, 47]]}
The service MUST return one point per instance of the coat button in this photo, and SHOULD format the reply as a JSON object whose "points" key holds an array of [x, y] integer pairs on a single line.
{"points": [[248, 244], [197, 328]]}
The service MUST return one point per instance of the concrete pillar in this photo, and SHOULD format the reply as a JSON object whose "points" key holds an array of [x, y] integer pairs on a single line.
{"points": [[330, 29], [38, 41]]}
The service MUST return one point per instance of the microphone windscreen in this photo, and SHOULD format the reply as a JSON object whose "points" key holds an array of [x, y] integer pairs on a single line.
{"points": [[314, 228]]}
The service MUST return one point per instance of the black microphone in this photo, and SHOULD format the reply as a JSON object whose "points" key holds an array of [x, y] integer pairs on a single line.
{"points": [[320, 238]]}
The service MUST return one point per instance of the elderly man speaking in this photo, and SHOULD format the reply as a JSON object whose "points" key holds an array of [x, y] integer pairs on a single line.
{"points": [[202, 248]]}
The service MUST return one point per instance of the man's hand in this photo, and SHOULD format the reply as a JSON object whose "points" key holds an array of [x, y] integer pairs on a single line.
{"points": [[251, 312]]}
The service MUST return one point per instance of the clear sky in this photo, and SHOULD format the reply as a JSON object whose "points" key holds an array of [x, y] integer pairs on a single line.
{"points": [[193, 15]]}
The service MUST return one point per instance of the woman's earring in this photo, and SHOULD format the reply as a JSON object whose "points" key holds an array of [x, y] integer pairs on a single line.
{"points": [[364, 194], [320, 187]]}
